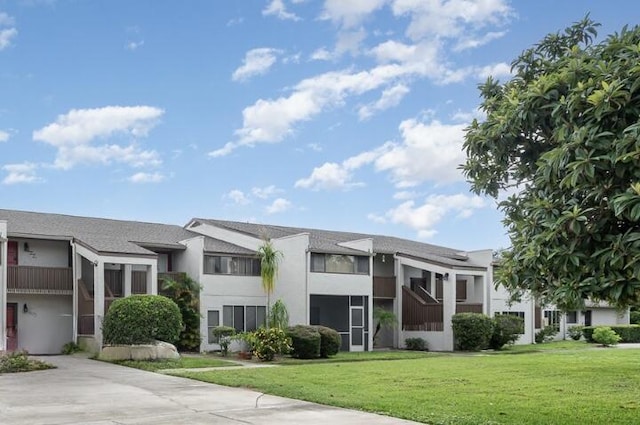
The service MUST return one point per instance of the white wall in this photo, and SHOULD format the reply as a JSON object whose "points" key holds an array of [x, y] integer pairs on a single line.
{"points": [[190, 260], [43, 253], [48, 324], [436, 341], [3, 283], [292, 281]]}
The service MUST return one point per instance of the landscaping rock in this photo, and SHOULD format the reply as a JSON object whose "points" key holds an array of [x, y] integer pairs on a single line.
{"points": [[158, 351]]}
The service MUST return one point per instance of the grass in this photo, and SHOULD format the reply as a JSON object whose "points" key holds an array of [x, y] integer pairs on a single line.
{"points": [[346, 357], [184, 362], [559, 386]]}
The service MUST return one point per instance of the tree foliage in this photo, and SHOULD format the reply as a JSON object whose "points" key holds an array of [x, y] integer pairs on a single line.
{"points": [[269, 262], [565, 131], [185, 292]]}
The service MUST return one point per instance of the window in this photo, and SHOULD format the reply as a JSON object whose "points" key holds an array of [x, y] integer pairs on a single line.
{"points": [[244, 318], [213, 321], [235, 266], [335, 263], [552, 318], [572, 316]]}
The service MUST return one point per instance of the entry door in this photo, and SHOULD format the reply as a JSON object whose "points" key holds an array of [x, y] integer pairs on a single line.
{"points": [[12, 326], [357, 328], [12, 253]]}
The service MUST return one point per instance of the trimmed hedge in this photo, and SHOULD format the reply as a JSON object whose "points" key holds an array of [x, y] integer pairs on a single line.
{"points": [[305, 341], [415, 344], [628, 333], [507, 328], [142, 319], [472, 331], [330, 341]]}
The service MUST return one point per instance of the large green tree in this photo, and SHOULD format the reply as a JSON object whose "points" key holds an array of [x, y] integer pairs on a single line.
{"points": [[565, 132]]}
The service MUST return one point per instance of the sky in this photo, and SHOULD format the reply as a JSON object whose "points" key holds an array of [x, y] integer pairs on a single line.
{"points": [[336, 114]]}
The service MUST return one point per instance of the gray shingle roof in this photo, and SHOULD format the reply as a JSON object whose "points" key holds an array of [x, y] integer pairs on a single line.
{"points": [[103, 235], [328, 240], [212, 245]]}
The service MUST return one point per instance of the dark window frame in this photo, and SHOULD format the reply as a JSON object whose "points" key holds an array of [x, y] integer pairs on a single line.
{"points": [[244, 265], [358, 262]]}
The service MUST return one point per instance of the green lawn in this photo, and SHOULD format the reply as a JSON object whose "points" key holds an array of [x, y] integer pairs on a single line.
{"points": [[184, 362], [565, 386]]}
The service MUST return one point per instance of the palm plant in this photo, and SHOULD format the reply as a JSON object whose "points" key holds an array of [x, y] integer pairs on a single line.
{"points": [[384, 319], [269, 262]]}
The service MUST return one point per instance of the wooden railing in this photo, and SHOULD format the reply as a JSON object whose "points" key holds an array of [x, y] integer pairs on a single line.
{"points": [[113, 282], [39, 280], [468, 308], [138, 282], [384, 287], [418, 315]]}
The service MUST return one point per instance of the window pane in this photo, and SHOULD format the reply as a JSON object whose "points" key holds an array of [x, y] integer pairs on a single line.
{"points": [[339, 263], [217, 267], [317, 262], [357, 337], [355, 300], [238, 318], [209, 264], [261, 316], [251, 318], [362, 265], [213, 318], [356, 317], [227, 315]]}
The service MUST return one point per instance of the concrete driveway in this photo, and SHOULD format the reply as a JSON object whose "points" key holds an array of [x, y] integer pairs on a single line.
{"points": [[88, 392]]}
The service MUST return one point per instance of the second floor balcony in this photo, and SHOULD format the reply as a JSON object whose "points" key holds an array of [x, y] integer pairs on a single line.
{"points": [[39, 280]]}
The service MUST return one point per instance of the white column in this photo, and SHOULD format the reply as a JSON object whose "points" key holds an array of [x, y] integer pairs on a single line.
{"points": [[152, 279], [399, 270], [98, 301], [449, 309], [481, 282], [127, 280], [3, 284], [76, 272]]}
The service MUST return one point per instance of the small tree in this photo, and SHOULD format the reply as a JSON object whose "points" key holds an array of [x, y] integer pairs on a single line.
{"points": [[185, 293], [269, 263], [384, 319], [606, 336], [279, 316], [507, 328]]}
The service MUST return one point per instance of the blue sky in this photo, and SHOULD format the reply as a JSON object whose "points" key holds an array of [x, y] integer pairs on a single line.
{"points": [[339, 114]]}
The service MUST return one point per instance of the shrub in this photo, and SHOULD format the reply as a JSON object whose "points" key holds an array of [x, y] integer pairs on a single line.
{"points": [[545, 334], [142, 319], [19, 361], [415, 344], [70, 348], [224, 334], [472, 331], [575, 332], [305, 341], [628, 333], [269, 342], [606, 336], [634, 317], [330, 341], [185, 292], [507, 328], [278, 315]]}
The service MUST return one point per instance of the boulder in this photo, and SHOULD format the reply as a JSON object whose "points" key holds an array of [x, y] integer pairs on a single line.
{"points": [[158, 351]]}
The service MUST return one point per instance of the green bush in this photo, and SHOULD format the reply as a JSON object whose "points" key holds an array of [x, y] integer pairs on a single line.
{"points": [[305, 341], [606, 336], [634, 317], [278, 315], [330, 341], [545, 334], [19, 361], [415, 344], [627, 333], [507, 328], [269, 342], [185, 292], [142, 319], [70, 348], [224, 335], [575, 332], [471, 331]]}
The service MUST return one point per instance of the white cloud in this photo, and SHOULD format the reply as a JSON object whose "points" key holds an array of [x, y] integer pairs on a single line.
{"points": [[315, 147], [350, 13], [265, 192], [321, 54], [405, 195], [496, 70], [256, 62], [279, 205], [473, 42], [423, 218], [147, 177], [428, 152], [134, 45], [376, 218], [333, 176], [467, 116], [7, 30], [20, 173], [4, 136], [72, 135], [390, 97], [450, 18], [238, 197], [278, 9]]}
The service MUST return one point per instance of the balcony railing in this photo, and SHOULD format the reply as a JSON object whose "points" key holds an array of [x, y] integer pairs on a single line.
{"points": [[39, 280], [384, 287], [468, 308]]}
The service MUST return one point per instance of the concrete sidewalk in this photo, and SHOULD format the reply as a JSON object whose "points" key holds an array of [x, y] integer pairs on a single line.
{"points": [[83, 391]]}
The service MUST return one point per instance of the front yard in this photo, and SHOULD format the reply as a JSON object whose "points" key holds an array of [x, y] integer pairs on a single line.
{"points": [[570, 385]]}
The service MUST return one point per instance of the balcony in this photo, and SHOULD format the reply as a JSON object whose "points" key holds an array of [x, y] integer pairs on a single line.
{"points": [[39, 280], [384, 287]]}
